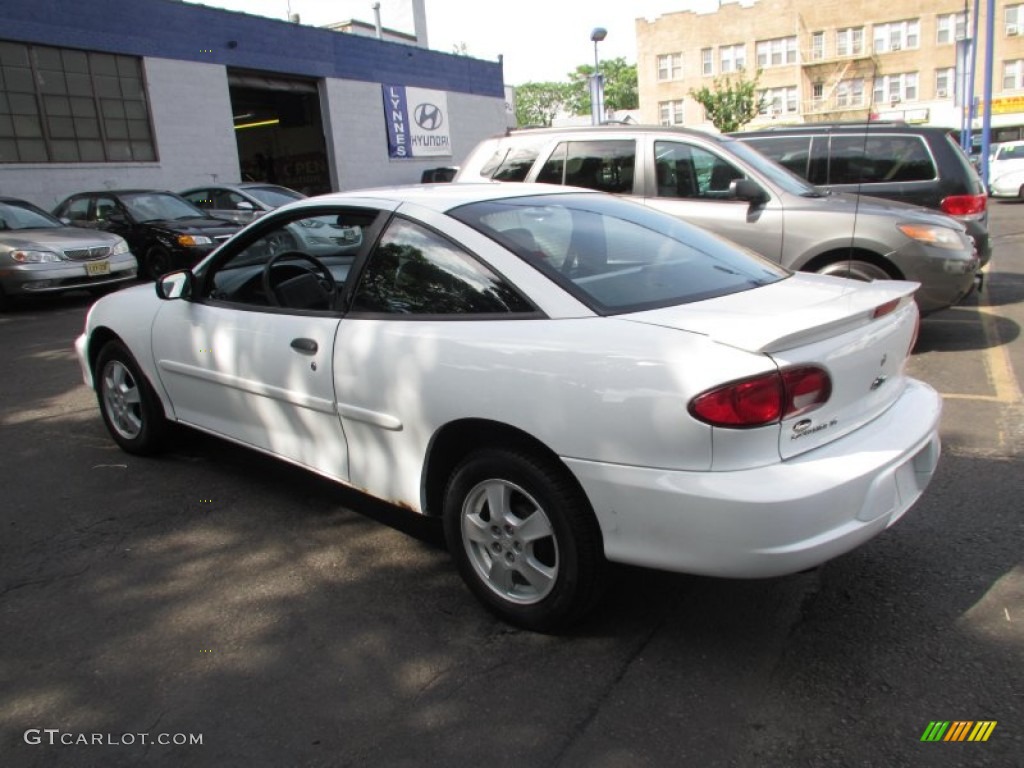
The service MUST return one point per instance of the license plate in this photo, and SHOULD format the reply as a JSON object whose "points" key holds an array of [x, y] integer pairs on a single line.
{"points": [[94, 268]]}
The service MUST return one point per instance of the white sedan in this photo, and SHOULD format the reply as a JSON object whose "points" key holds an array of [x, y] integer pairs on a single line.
{"points": [[565, 377]]}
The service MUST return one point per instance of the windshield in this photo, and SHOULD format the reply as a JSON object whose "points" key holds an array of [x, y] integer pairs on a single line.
{"points": [[777, 174], [275, 197], [17, 214], [153, 206], [615, 255]]}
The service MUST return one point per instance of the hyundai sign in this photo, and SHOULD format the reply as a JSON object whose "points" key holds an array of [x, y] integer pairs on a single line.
{"points": [[417, 122]]}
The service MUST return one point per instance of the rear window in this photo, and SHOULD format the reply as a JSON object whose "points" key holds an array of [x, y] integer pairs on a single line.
{"points": [[512, 163], [867, 159], [617, 256], [606, 165]]}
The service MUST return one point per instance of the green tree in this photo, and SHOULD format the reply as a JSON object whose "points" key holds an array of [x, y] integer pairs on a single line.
{"points": [[539, 103], [620, 86], [730, 103]]}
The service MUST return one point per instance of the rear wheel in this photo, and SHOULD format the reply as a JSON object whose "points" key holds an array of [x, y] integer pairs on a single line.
{"points": [[856, 269], [129, 406], [524, 538]]}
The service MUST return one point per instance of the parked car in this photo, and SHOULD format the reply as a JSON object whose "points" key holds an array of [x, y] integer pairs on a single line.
{"points": [[1006, 170], [563, 377], [165, 231], [918, 164], [39, 254], [727, 187], [241, 203]]}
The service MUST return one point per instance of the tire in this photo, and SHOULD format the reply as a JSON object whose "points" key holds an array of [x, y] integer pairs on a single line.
{"points": [[855, 269], [129, 406], [542, 566], [156, 263]]}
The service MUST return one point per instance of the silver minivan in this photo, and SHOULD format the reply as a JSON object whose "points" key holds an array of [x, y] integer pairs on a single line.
{"points": [[727, 187]]}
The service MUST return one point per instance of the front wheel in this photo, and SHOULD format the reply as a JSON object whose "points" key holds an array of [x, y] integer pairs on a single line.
{"points": [[524, 539], [156, 263], [129, 406]]}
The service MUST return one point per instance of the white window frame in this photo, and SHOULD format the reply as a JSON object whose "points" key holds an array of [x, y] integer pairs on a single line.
{"points": [[670, 66], [732, 58], [779, 101], [850, 41], [944, 82], [895, 89], [850, 93], [1013, 20], [950, 27], [897, 36], [817, 46], [670, 112], [707, 61], [1013, 75], [777, 52]]}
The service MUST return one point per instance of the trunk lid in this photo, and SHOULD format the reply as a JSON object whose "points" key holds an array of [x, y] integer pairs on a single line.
{"points": [[816, 320]]}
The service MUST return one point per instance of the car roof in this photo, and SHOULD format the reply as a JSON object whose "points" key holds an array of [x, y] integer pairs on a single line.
{"points": [[116, 192], [443, 197], [874, 126], [621, 128]]}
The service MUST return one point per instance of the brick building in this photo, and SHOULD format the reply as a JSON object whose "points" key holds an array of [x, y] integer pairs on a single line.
{"points": [[830, 60], [169, 95]]}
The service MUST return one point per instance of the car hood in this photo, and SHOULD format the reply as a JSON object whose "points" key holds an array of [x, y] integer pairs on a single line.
{"points": [[196, 226], [865, 205], [56, 238]]}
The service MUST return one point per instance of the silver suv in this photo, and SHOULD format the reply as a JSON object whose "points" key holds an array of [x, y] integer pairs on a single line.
{"points": [[729, 188]]}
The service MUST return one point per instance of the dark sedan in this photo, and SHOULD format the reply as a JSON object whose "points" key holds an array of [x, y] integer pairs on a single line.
{"points": [[164, 230]]}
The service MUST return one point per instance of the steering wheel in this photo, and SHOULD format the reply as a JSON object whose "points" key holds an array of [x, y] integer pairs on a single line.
{"points": [[327, 281]]}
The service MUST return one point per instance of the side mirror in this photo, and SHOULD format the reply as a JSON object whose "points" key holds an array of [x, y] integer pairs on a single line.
{"points": [[245, 205], [747, 189], [175, 285]]}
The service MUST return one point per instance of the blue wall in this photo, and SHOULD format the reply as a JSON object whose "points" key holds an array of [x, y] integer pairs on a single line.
{"points": [[174, 30]]}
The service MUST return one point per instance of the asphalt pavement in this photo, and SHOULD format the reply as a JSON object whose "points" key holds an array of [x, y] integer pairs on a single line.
{"points": [[251, 614]]}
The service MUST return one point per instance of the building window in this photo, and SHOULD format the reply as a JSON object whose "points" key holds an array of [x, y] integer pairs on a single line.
{"points": [[59, 105], [1014, 20], [818, 46], [897, 36], [732, 58], [1013, 75], [817, 92], [893, 89], [776, 53], [671, 112], [944, 83], [850, 41], [670, 66], [707, 61], [778, 101], [850, 93], [951, 27]]}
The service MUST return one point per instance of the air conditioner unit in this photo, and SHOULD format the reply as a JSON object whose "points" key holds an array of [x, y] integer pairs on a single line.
{"points": [[895, 100], [1012, 30], [895, 47], [941, 93]]}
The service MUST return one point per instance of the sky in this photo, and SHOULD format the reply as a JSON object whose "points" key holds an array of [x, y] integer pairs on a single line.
{"points": [[539, 39]]}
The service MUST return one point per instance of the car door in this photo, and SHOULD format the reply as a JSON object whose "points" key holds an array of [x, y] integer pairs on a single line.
{"points": [[256, 366], [692, 182]]}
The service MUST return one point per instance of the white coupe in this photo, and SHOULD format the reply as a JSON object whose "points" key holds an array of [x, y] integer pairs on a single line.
{"points": [[565, 377]]}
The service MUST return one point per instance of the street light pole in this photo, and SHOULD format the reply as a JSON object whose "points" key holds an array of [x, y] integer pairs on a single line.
{"points": [[596, 81]]}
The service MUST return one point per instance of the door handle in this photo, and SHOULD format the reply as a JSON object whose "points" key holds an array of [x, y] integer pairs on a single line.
{"points": [[305, 345]]}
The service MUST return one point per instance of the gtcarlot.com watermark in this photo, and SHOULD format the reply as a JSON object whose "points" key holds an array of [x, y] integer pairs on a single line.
{"points": [[55, 736]]}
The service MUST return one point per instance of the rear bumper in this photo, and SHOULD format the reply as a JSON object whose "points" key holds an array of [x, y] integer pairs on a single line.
{"points": [[771, 520]]}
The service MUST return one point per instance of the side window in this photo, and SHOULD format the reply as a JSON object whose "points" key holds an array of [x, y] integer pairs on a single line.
{"points": [[793, 152], [684, 171], [512, 164], [413, 270], [226, 200], [603, 165], [77, 210], [879, 159], [299, 263], [200, 198], [104, 207]]}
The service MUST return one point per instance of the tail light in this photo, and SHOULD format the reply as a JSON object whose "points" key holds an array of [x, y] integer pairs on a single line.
{"points": [[963, 205], [765, 399]]}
